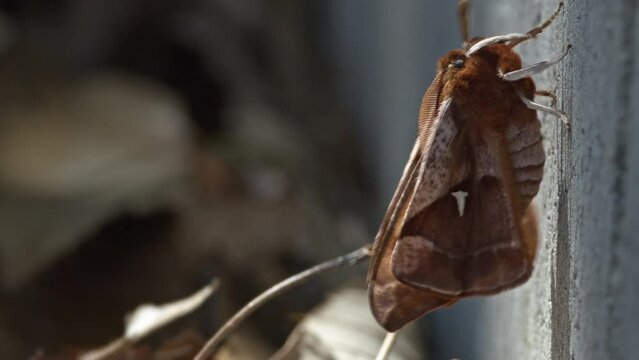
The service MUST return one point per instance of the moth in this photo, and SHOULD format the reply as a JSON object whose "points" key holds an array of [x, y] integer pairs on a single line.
{"points": [[461, 221]]}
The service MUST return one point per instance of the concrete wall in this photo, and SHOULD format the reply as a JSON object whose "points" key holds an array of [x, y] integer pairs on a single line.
{"points": [[583, 299]]}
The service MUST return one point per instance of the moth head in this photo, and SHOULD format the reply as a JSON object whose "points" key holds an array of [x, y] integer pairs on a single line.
{"points": [[497, 52], [477, 66]]}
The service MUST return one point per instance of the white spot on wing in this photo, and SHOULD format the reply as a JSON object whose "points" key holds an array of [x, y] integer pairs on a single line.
{"points": [[460, 196]]}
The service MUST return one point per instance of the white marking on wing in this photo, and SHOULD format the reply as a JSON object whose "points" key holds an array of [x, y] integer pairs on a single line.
{"points": [[460, 196]]}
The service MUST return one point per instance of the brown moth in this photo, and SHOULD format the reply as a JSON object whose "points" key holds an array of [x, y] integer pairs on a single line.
{"points": [[461, 221]]}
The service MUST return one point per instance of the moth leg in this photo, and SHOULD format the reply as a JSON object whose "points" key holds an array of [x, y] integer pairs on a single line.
{"points": [[462, 13], [537, 30], [549, 94], [534, 68], [547, 109]]}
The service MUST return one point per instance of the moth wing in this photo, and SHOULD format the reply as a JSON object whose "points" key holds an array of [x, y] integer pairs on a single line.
{"points": [[393, 303], [479, 247]]}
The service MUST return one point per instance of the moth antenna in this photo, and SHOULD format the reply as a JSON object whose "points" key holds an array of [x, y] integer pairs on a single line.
{"points": [[462, 12], [534, 68], [547, 109], [495, 40], [537, 30]]}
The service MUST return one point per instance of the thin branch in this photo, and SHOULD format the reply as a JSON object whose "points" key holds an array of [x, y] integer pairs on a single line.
{"points": [[387, 346], [350, 259]]}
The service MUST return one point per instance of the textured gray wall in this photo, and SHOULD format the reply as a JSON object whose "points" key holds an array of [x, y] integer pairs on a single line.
{"points": [[583, 299]]}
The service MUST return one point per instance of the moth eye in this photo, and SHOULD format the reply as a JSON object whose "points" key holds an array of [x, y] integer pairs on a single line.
{"points": [[457, 63]]}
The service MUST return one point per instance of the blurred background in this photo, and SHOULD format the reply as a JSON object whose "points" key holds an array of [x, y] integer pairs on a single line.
{"points": [[148, 147]]}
